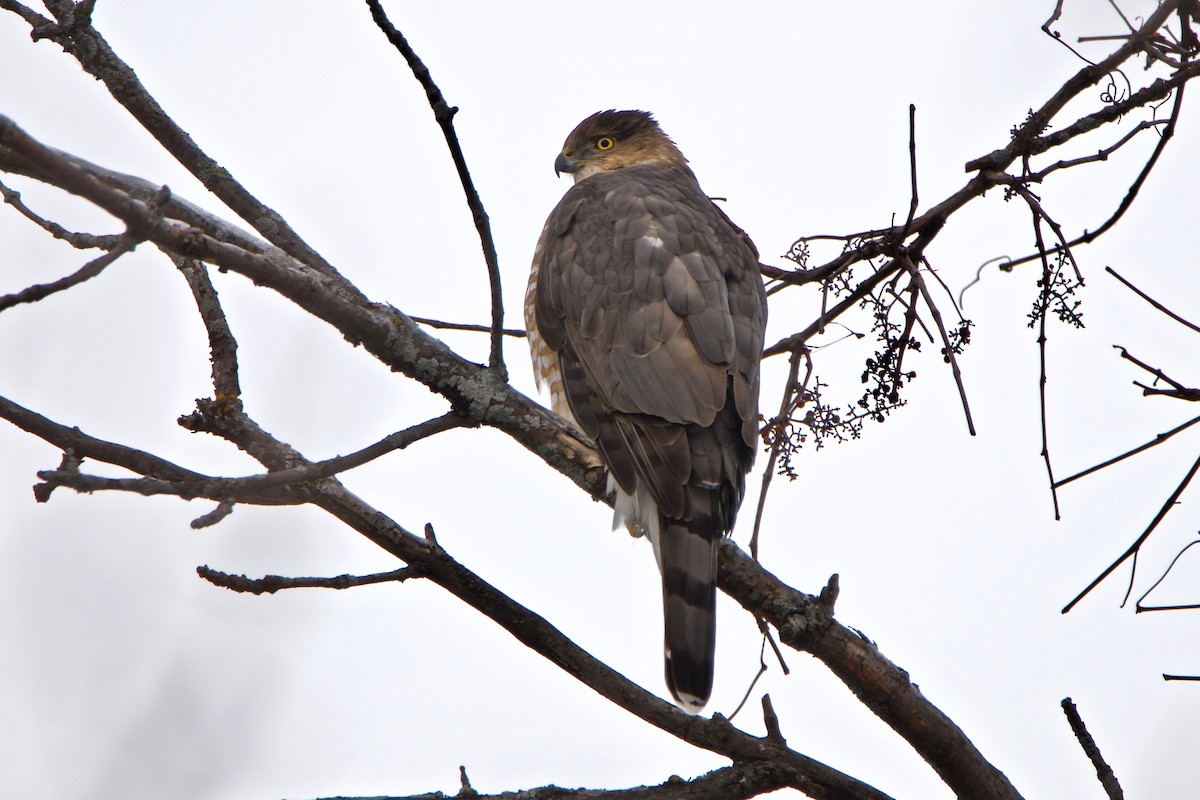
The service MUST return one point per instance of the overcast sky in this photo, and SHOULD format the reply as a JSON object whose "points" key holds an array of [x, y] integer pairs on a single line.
{"points": [[124, 675]]}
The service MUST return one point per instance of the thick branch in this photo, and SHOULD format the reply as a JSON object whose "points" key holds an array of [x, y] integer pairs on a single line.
{"points": [[806, 623], [716, 734], [393, 338]]}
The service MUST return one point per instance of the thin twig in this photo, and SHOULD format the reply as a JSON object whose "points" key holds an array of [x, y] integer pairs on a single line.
{"points": [[165, 478], [40, 291], [1136, 546], [80, 241], [1098, 156], [1056, 36], [1131, 194], [912, 166], [1062, 246], [84, 446], [1157, 440], [762, 670], [1103, 771], [979, 276], [1138, 608], [444, 114], [1152, 301], [1177, 390], [1041, 342], [519, 333], [269, 584], [948, 352], [790, 390]]}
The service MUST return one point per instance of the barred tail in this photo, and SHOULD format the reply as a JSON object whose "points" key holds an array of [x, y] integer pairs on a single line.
{"points": [[689, 576]]}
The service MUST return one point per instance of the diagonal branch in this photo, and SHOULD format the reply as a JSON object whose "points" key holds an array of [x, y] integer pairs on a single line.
{"points": [[1157, 440], [427, 558], [40, 291], [1131, 194], [1137, 545], [516, 333], [947, 349], [1152, 301], [80, 241], [76, 36], [806, 623], [84, 446], [715, 734], [161, 477], [1103, 771]]}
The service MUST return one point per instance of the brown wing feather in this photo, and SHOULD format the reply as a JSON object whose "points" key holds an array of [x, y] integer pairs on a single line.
{"points": [[647, 284]]}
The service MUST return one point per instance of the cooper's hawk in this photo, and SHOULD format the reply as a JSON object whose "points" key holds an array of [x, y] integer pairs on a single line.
{"points": [[645, 312]]}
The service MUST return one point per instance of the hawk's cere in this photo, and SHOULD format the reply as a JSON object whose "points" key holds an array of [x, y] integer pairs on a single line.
{"points": [[645, 312]]}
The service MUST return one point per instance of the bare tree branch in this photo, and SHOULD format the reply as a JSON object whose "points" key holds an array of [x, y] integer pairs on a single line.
{"points": [[948, 349], [1138, 608], [1136, 546], [1157, 440], [41, 291], [1177, 390], [269, 584], [76, 36], [736, 782], [392, 337], [164, 478], [806, 623], [1103, 771], [222, 346], [1152, 301], [444, 114], [1145, 95], [518, 333], [80, 241]]}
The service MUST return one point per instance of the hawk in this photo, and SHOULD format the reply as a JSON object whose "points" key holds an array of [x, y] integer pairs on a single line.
{"points": [[645, 311]]}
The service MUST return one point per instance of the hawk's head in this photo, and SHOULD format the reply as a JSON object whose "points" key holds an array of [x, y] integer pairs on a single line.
{"points": [[609, 140]]}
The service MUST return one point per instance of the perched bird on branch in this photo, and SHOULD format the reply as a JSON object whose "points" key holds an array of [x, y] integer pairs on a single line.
{"points": [[646, 315]]}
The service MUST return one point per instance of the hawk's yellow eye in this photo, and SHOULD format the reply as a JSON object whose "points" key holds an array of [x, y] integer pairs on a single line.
{"points": [[605, 143]]}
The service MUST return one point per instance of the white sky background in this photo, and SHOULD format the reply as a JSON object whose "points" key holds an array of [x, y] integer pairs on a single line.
{"points": [[122, 674]]}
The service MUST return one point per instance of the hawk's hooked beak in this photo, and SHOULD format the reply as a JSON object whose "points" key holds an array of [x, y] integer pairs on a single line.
{"points": [[564, 163]]}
